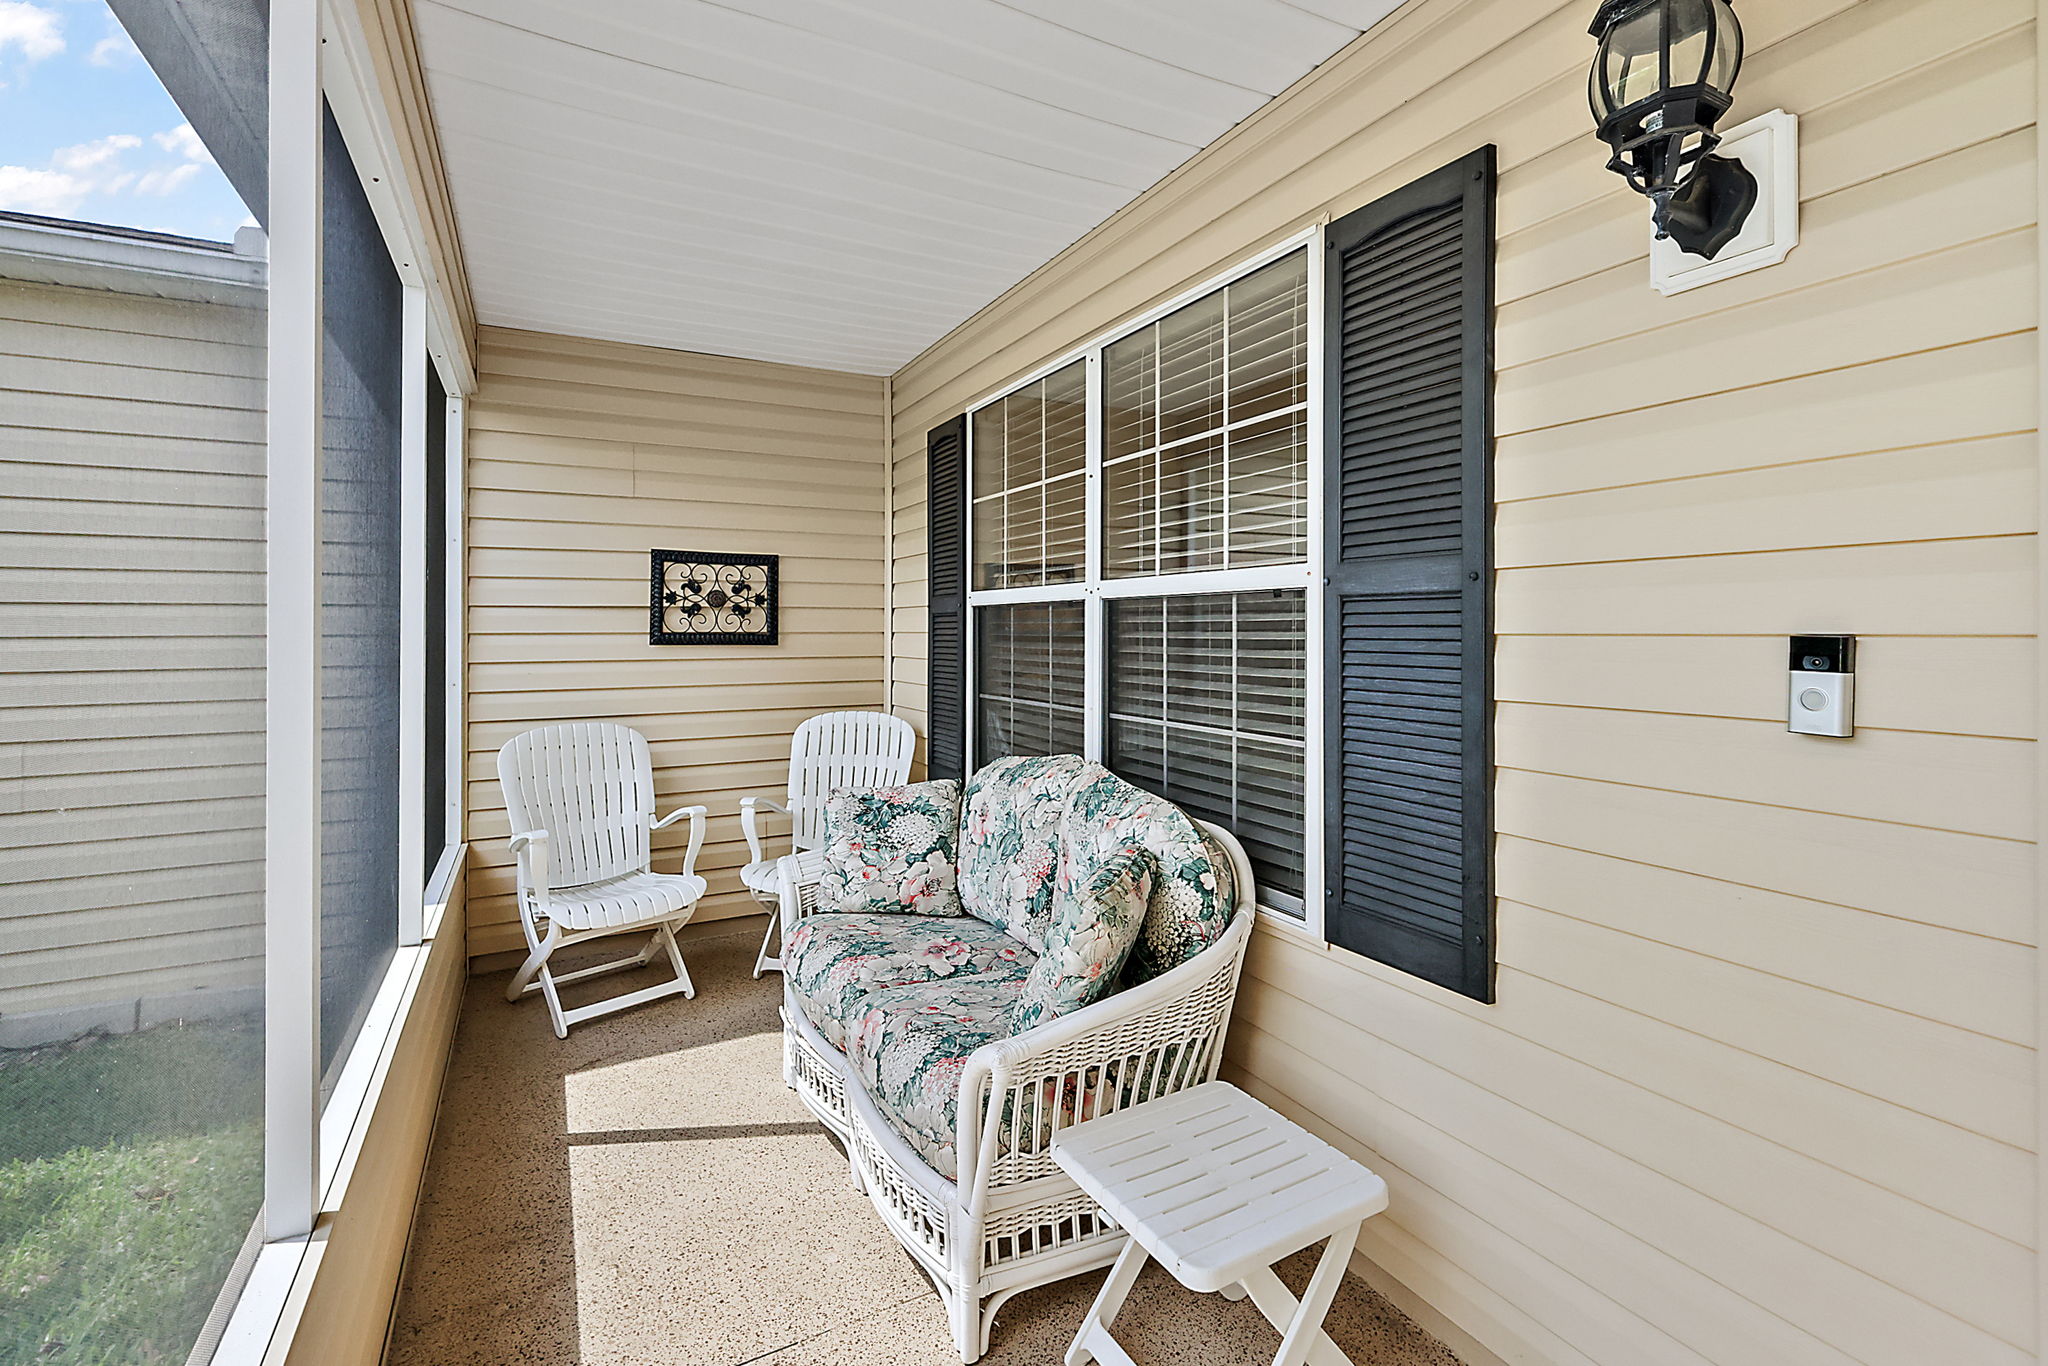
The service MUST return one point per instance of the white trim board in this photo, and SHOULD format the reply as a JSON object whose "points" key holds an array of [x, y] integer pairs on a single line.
{"points": [[350, 86], [79, 257], [2041, 711], [292, 651]]}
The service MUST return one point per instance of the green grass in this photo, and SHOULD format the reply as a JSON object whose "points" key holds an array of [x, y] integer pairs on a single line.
{"points": [[130, 1168]]}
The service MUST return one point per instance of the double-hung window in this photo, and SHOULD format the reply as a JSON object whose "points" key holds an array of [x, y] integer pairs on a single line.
{"points": [[1240, 551], [1141, 551]]}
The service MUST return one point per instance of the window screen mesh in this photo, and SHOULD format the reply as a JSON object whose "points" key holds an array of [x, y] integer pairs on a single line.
{"points": [[1029, 679], [133, 482], [434, 696], [359, 603], [1206, 431], [1206, 706], [1030, 484]]}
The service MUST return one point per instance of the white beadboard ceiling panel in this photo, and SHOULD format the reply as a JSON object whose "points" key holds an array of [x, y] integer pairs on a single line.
{"points": [[823, 182]]}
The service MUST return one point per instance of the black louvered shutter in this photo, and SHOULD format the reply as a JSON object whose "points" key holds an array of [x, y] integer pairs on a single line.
{"points": [[945, 452], [1408, 531]]}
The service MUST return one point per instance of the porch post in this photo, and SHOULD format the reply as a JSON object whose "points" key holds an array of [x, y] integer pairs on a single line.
{"points": [[291, 1144]]}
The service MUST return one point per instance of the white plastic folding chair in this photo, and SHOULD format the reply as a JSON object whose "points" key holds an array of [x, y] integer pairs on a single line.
{"points": [[833, 750], [581, 802]]}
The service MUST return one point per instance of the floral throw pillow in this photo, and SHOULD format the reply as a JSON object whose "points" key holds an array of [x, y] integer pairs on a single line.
{"points": [[1096, 926], [1010, 842], [1193, 895], [891, 849]]}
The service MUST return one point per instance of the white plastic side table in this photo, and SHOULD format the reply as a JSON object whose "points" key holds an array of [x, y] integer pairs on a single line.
{"points": [[1217, 1188]]}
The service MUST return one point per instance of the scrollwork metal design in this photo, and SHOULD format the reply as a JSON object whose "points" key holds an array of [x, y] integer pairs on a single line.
{"points": [[703, 598]]}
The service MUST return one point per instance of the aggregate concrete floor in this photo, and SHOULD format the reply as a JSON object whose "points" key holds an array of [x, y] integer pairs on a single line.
{"points": [[648, 1193]]}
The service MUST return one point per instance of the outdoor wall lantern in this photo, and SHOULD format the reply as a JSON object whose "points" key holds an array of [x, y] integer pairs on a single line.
{"points": [[1664, 76]]}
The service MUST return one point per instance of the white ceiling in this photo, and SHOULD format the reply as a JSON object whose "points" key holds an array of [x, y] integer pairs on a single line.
{"points": [[823, 182]]}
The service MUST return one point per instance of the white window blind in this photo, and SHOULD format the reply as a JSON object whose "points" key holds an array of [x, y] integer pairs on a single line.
{"points": [[1030, 483], [1205, 458], [1030, 679], [1206, 699]]}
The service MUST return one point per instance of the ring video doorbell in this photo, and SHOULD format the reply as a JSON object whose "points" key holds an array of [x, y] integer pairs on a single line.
{"points": [[1822, 695]]}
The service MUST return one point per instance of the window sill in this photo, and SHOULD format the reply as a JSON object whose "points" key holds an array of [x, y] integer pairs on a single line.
{"points": [[1291, 928], [266, 1313]]}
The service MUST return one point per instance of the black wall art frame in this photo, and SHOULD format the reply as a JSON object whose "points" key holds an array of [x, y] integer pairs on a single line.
{"points": [[706, 597]]}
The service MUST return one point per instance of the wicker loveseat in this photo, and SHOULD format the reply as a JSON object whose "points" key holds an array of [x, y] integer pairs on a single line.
{"points": [[899, 1032]]}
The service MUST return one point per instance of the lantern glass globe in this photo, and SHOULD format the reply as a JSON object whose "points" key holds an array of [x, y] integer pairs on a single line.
{"points": [[1704, 44]]}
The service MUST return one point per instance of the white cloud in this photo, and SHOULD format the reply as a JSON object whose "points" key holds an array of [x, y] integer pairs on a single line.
{"points": [[89, 157], [183, 141], [167, 181], [116, 49], [51, 193], [36, 31], [74, 175]]}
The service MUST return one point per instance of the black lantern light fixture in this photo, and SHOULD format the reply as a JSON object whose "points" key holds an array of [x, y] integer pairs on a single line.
{"points": [[1664, 76]]}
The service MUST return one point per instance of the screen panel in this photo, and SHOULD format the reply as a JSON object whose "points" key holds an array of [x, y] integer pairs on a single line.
{"points": [[362, 388]]}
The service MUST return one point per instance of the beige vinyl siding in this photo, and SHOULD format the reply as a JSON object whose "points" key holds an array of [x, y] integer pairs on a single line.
{"points": [[1760, 1085], [131, 703], [585, 455]]}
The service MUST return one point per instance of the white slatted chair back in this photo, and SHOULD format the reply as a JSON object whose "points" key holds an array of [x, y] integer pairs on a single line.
{"points": [[590, 785], [843, 749]]}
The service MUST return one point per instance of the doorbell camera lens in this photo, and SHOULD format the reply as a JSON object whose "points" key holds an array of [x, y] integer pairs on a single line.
{"points": [[1823, 654]]}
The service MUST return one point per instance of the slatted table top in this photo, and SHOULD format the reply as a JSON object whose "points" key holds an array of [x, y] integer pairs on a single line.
{"points": [[1215, 1184]]}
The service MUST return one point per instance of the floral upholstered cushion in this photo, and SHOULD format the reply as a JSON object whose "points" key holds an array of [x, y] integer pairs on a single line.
{"points": [[1100, 915], [911, 1045], [834, 961], [891, 849], [1193, 894], [1010, 842]]}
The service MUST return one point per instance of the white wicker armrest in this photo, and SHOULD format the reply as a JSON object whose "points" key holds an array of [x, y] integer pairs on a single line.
{"points": [[1162, 1036], [530, 847], [697, 815], [798, 875]]}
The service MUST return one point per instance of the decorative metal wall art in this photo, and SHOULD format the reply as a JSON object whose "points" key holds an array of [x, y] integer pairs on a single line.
{"points": [[703, 597]]}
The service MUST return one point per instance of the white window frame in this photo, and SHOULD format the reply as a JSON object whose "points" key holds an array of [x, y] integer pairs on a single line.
{"points": [[412, 635], [1094, 590], [318, 51]]}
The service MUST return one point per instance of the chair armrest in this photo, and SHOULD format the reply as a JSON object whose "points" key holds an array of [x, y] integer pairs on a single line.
{"points": [[697, 815], [798, 875], [749, 807], [1162, 1036], [530, 847]]}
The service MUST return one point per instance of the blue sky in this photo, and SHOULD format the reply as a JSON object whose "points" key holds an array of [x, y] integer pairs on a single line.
{"points": [[87, 132]]}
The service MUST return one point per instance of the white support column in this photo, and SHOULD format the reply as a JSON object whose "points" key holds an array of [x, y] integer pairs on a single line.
{"points": [[291, 1145], [412, 616], [455, 502]]}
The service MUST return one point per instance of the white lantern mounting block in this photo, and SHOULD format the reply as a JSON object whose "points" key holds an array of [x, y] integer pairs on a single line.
{"points": [[1768, 147]]}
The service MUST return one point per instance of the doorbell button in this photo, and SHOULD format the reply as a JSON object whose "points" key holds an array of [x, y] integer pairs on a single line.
{"points": [[1821, 698]]}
